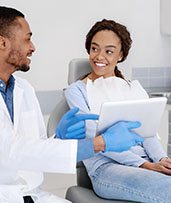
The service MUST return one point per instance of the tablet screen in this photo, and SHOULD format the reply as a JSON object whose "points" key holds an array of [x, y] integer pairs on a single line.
{"points": [[147, 111]]}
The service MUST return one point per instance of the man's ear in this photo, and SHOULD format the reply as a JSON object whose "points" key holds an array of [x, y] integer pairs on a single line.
{"points": [[2, 42]]}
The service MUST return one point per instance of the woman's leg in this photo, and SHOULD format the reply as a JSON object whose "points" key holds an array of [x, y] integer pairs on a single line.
{"points": [[115, 181]]}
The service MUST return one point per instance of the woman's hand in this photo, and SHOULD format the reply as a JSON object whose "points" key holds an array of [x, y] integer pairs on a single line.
{"points": [[163, 166]]}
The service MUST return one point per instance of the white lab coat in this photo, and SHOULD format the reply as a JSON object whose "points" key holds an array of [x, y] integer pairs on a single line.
{"points": [[25, 152]]}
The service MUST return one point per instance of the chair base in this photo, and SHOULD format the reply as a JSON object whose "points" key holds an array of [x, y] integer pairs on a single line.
{"points": [[78, 194]]}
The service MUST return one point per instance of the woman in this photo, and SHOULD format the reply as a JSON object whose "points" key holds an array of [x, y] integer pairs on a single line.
{"points": [[139, 173]]}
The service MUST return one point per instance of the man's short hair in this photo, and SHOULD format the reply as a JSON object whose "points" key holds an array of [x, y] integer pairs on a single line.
{"points": [[8, 18]]}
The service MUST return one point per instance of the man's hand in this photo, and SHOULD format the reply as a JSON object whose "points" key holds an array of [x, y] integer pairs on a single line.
{"points": [[120, 137], [163, 166], [72, 125]]}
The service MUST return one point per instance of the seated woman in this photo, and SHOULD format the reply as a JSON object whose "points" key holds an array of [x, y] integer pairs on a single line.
{"points": [[141, 173]]}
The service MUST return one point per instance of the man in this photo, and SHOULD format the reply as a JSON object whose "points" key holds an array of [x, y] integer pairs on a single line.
{"points": [[25, 151]]}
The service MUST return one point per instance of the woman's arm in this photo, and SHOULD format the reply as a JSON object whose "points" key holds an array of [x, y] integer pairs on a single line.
{"points": [[76, 96], [154, 148], [163, 166]]}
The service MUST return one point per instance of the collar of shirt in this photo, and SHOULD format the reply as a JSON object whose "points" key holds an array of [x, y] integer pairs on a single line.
{"points": [[10, 85]]}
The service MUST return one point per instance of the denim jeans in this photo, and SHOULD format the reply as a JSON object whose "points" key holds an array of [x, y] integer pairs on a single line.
{"points": [[115, 181]]}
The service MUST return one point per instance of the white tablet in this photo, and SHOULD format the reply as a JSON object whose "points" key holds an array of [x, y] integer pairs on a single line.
{"points": [[147, 111]]}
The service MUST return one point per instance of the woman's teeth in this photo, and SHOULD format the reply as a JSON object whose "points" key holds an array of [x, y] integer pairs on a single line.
{"points": [[100, 64]]}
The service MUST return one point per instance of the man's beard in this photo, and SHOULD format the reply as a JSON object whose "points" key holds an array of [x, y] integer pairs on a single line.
{"points": [[23, 68], [15, 58]]}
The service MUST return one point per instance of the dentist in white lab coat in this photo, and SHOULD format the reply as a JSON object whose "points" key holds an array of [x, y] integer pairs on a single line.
{"points": [[25, 152]]}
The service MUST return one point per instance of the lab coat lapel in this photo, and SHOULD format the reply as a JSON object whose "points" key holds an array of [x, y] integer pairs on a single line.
{"points": [[17, 101], [4, 108]]}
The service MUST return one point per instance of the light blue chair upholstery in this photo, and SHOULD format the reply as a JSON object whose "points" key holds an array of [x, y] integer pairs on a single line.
{"points": [[83, 192]]}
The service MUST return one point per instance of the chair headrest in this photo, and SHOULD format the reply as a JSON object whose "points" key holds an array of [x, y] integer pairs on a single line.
{"points": [[77, 68]]}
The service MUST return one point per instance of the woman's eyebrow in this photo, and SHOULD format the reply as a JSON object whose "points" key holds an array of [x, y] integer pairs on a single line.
{"points": [[110, 46], [94, 43], [107, 46]]}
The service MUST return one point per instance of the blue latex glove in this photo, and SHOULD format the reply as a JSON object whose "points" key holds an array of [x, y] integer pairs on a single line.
{"points": [[120, 137], [72, 125]]}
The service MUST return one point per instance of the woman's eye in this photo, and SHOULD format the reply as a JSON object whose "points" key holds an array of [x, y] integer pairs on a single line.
{"points": [[109, 52], [94, 49]]}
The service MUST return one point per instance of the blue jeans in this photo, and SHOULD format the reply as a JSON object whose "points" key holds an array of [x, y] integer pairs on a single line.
{"points": [[115, 181]]}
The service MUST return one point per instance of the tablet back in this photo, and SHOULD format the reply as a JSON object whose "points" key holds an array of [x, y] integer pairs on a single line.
{"points": [[147, 111]]}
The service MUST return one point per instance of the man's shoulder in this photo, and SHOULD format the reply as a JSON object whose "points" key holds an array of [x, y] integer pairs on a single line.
{"points": [[23, 83]]}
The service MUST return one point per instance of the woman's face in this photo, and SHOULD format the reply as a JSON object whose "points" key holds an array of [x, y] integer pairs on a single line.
{"points": [[105, 52]]}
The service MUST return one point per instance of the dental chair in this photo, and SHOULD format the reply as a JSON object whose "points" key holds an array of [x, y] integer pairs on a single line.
{"points": [[83, 192]]}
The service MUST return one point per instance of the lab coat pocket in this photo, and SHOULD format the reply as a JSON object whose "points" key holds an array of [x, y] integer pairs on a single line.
{"points": [[10, 194], [29, 124]]}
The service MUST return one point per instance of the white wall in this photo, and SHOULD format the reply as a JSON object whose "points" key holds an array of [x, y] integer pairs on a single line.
{"points": [[59, 29]]}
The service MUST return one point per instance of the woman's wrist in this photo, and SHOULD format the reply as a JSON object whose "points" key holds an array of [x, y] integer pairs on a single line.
{"points": [[147, 165], [99, 144]]}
